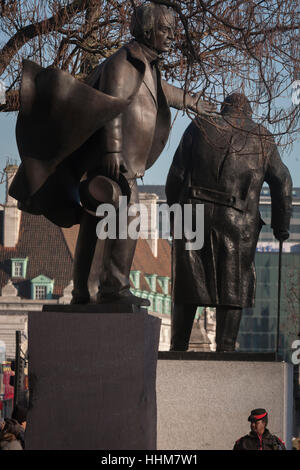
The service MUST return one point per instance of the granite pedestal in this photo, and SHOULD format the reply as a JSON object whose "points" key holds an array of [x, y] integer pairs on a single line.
{"points": [[92, 380], [204, 399]]}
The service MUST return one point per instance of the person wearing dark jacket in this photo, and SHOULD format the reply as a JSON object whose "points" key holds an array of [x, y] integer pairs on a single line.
{"points": [[12, 435], [259, 437], [20, 415], [222, 163]]}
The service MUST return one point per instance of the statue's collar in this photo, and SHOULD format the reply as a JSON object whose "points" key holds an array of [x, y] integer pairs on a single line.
{"points": [[142, 52], [151, 55]]}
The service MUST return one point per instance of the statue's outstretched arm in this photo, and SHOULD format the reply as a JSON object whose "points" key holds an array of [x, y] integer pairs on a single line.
{"points": [[178, 99]]}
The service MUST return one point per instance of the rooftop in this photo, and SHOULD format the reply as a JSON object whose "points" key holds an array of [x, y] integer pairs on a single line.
{"points": [[50, 251]]}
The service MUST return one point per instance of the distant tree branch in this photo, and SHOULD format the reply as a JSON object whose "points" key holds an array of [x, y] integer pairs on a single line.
{"points": [[21, 37]]}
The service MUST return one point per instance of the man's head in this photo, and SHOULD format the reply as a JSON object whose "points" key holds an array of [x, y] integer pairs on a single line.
{"points": [[153, 25], [259, 420]]}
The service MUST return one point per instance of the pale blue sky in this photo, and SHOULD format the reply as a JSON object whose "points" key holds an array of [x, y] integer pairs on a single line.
{"points": [[155, 175]]}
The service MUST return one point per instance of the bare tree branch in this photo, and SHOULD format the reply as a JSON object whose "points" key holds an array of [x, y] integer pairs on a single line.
{"points": [[29, 32], [220, 46]]}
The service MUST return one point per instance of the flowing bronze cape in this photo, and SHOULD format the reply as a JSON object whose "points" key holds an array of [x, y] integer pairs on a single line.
{"points": [[58, 117]]}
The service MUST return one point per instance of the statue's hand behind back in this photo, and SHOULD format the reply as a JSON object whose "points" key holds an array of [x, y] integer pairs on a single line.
{"points": [[281, 235]]}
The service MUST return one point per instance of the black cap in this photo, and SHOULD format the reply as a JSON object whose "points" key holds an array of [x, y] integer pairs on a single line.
{"points": [[257, 414]]}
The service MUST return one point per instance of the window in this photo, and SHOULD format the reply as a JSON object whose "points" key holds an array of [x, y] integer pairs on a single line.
{"points": [[151, 280], [135, 277], [40, 292], [164, 283], [19, 267], [42, 287]]}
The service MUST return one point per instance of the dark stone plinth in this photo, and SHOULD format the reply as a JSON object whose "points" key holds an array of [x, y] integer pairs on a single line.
{"points": [[92, 381], [95, 308], [214, 356]]}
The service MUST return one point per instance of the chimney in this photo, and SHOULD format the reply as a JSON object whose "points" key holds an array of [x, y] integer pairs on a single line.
{"points": [[149, 226], [12, 215]]}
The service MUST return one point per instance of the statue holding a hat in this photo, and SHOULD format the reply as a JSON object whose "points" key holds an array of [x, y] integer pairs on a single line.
{"points": [[83, 144]]}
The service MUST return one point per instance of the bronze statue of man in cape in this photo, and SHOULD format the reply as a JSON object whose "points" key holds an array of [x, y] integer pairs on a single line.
{"points": [[78, 142]]}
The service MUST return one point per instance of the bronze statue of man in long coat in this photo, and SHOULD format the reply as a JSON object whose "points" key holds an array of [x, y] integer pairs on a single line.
{"points": [[120, 148], [222, 162]]}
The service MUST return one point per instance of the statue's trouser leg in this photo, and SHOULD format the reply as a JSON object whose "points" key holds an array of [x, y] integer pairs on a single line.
{"points": [[118, 257], [182, 319], [227, 327], [115, 262], [83, 258]]}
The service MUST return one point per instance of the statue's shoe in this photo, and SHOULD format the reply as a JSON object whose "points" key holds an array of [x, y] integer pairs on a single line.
{"points": [[80, 299], [178, 348], [125, 297]]}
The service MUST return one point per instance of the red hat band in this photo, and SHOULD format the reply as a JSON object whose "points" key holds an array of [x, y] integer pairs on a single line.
{"points": [[260, 416]]}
